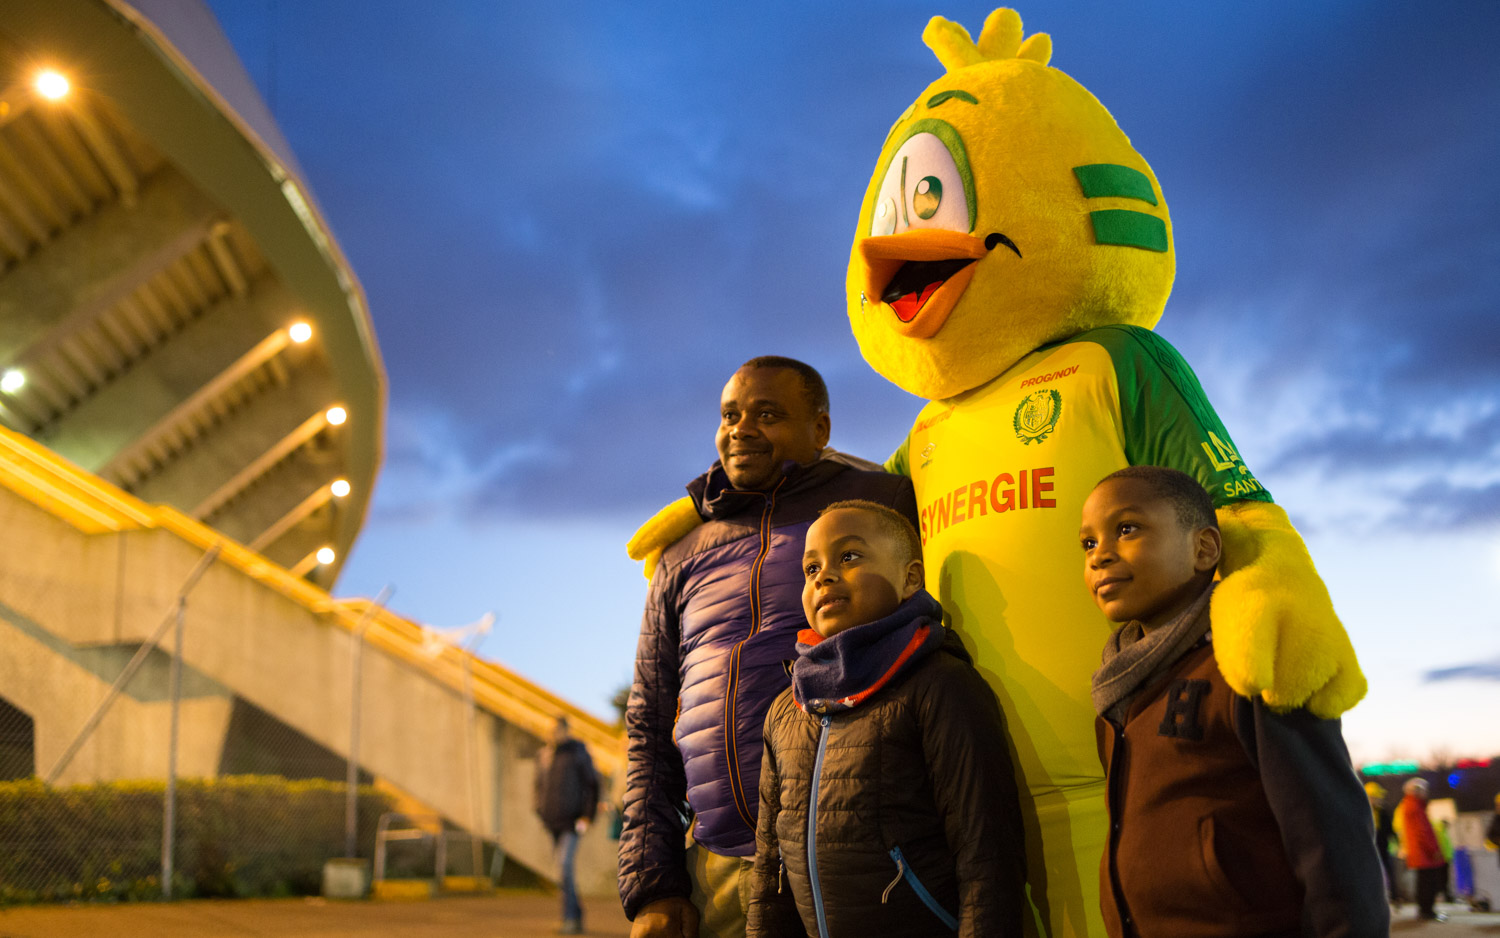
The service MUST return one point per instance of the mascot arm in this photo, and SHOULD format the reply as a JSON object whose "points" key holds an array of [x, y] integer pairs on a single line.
{"points": [[665, 528], [1275, 632]]}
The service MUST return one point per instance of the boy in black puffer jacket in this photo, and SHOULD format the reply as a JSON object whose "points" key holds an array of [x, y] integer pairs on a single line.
{"points": [[887, 800]]}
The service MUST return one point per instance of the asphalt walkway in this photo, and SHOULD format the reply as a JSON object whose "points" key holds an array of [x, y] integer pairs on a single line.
{"points": [[504, 915], [507, 915]]}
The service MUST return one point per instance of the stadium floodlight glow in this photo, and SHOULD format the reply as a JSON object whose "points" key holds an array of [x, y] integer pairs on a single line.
{"points": [[337, 415], [13, 380], [300, 332], [52, 84], [326, 555], [340, 488]]}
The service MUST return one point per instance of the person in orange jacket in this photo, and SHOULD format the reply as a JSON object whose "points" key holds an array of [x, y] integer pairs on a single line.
{"points": [[1419, 846]]}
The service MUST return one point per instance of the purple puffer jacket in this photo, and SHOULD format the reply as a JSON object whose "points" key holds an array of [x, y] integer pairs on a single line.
{"points": [[721, 620]]}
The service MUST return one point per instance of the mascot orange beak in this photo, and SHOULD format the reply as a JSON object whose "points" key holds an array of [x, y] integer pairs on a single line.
{"points": [[921, 274]]}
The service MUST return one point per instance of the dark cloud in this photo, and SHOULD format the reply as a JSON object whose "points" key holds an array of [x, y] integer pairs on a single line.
{"points": [[1421, 433], [1475, 671], [1441, 504], [572, 222]]}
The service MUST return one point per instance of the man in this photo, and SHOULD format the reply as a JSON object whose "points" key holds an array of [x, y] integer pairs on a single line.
{"points": [[721, 619], [567, 795], [1382, 816]]}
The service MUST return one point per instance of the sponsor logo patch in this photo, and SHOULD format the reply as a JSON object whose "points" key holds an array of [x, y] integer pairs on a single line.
{"points": [[1036, 415]]}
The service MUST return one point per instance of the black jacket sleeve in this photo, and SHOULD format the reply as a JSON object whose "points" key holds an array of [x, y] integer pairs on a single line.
{"points": [[588, 784], [1324, 816], [771, 912], [653, 838], [974, 784]]}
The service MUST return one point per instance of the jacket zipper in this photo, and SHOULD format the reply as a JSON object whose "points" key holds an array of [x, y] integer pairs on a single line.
{"points": [[812, 830], [1112, 788], [736, 781], [904, 871]]}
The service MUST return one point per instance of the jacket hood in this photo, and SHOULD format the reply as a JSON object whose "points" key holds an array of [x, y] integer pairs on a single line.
{"points": [[840, 672]]}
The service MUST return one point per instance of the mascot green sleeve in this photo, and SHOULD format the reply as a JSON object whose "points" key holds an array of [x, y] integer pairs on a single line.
{"points": [[1012, 254]]}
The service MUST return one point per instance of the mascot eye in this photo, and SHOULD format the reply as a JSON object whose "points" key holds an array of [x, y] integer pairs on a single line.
{"points": [[928, 197], [922, 188]]}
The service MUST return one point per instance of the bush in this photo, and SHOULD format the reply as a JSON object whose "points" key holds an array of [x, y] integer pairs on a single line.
{"points": [[245, 835]]}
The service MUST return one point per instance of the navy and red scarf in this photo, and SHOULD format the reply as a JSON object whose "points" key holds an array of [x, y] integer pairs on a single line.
{"points": [[841, 672]]}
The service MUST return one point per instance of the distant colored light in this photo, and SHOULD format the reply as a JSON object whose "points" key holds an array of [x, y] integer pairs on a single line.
{"points": [[340, 487], [326, 555], [300, 332], [52, 84], [1389, 768], [337, 415], [1453, 779], [12, 381]]}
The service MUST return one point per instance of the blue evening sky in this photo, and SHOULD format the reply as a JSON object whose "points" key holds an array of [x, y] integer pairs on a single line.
{"points": [[574, 220]]}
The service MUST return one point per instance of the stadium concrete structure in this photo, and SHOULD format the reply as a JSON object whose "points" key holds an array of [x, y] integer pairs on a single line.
{"points": [[186, 362]]}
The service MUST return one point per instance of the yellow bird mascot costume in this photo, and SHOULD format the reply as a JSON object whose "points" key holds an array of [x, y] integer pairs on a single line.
{"points": [[1013, 253]]}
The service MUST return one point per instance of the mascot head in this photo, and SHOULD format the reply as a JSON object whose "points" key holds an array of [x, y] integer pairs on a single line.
{"points": [[1007, 210]]}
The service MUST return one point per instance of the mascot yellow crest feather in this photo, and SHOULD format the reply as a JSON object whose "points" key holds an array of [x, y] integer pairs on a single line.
{"points": [[1000, 39]]}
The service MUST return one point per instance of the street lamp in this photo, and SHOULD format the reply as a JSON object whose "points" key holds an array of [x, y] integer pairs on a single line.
{"points": [[51, 84]]}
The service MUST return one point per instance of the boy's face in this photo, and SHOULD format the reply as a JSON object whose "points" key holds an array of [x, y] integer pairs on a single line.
{"points": [[1139, 561], [854, 572], [766, 419]]}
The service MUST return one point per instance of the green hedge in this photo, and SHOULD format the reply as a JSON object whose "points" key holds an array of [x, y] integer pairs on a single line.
{"points": [[245, 835]]}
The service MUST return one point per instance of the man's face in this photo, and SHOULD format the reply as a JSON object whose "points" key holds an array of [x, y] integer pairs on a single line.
{"points": [[1139, 561], [853, 572], [765, 419]]}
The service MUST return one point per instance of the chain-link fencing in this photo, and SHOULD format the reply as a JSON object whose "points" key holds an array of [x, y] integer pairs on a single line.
{"points": [[169, 785]]}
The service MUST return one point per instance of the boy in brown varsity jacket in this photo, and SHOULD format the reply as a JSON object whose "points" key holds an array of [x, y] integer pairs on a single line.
{"points": [[1226, 818], [888, 804]]}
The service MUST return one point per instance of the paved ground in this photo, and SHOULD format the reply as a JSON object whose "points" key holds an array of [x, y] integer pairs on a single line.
{"points": [[510, 915], [506, 915]]}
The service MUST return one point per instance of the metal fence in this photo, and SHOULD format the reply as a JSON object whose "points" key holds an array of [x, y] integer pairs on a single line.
{"points": [[261, 821]]}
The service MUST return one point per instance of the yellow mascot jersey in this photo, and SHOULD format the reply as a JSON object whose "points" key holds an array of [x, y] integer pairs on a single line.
{"points": [[1001, 473]]}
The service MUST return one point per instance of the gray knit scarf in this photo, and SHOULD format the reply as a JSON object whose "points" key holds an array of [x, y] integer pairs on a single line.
{"points": [[1133, 659]]}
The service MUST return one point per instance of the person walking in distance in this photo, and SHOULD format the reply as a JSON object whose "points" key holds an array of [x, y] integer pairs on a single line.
{"points": [[567, 795], [1419, 846]]}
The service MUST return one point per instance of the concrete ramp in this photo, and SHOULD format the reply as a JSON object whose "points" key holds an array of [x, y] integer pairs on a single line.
{"points": [[87, 573]]}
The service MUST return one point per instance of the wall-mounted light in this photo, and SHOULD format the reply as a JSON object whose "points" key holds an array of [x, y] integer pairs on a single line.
{"points": [[51, 84], [13, 380], [340, 488], [337, 415], [326, 555], [300, 332]]}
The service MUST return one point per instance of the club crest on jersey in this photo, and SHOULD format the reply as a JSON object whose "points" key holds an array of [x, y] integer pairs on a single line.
{"points": [[1037, 414]]}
